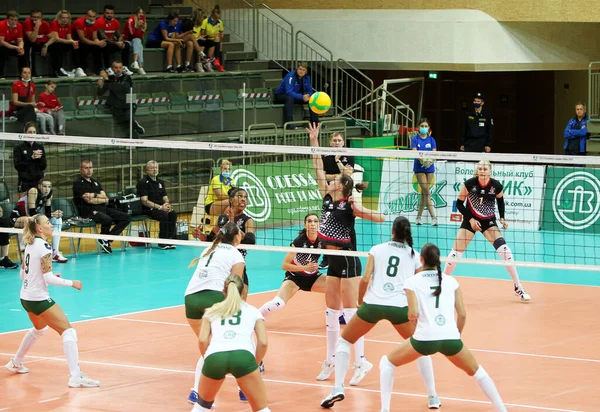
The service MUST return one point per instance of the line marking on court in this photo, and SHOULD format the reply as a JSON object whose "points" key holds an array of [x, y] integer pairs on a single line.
{"points": [[316, 385], [14, 310], [309, 335], [49, 400]]}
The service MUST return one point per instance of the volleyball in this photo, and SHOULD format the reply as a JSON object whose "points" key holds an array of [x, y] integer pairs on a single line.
{"points": [[319, 102]]}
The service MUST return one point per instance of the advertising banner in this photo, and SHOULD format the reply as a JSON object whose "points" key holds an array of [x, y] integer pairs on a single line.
{"points": [[572, 201], [400, 192]]}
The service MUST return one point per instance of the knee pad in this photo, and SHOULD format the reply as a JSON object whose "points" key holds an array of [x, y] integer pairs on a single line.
{"points": [[205, 404], [38, 333], [342, 346], [499, 243], [349, 314], [69, 335], [332, 319]]}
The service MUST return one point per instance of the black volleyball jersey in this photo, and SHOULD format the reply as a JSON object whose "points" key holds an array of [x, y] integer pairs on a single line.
{"points": [[240, 221], [336, 223], [301, 259], [482, 200]]}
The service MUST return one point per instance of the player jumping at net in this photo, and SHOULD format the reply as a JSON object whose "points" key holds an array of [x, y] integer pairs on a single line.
{"points": [[36, 274], [226, 343], [432, 299], [481, 193], [205, 288], [389, 265], [343, 274], [301, 269]]}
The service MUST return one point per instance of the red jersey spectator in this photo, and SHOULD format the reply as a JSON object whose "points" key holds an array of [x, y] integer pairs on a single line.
{"points": [[89, 44], [48, 103], [11, 40], [108, 28], [134, 34], [37, 37], [22, 102], [62, 34]]}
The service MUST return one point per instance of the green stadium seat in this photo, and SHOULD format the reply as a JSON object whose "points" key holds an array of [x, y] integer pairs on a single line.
{"points": [[161, 106], [144, 106], [230, 99], [86, 107], [213, 100], [264, 101], [69, 107], [195, 105], [179, 102]]}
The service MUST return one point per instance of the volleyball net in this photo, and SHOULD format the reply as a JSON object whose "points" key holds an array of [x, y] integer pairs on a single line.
{"points": [[552, 202]]}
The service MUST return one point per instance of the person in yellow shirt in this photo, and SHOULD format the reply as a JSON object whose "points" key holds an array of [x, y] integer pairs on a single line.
{"points": [[217, 199], [198, 16], [212, 30]]}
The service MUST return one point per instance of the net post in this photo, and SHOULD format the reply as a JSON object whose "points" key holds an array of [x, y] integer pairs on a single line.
{"points": [[130, 99], [244, 120]]}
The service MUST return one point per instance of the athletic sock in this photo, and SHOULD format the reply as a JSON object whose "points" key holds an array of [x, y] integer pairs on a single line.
{"points": [[332, 322], [359, 345], [506, 254], [450, 266], [272, 306], [489, 388], [342, 361], [386, 382], [425, 366], [198, 372], [71, 351], [29, 339]]}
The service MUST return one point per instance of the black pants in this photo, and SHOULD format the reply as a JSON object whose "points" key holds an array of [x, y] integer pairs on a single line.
{"points": [[25, 114], [473, 144], [167, 222], [82, 53], [288, 111], [5, 222], [122, 119], [109, 50], [120, 219], [4, 53], [56, 51]]}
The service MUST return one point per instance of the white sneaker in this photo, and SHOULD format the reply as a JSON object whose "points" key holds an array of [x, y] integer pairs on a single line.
{"points": [[360, 371], [326, 370], [127, 71], [80, 73], [434, 221], [520, 291], [110, 72], [58, 257], [433, 402], [13, 367], [141, 71], [199, 68], [419, 220], [82, 381], [336, 395], [66, 73], [135, 66], [209, 67]]}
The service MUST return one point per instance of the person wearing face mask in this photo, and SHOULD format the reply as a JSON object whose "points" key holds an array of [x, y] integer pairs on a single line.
{"points": [[86, 33], [155, 202], [478, 129], [118, 85], [424, 169], [109, 29], [22, 103], [217, 199], [11, 40]]}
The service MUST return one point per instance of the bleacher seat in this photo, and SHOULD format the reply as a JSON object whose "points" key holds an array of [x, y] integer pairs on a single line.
{"points": [[179, 102]]}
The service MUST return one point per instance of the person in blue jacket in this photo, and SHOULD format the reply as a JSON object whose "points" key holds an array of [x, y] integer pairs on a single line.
{"points": [[295, 88], [576, 132]]}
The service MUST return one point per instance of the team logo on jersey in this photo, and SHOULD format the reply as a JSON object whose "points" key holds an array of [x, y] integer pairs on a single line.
{"points": [[474, 190], [388, 287], [492, 190], [482, 191], [48, 246], [229, 335], [440, 320], [341, 205]]}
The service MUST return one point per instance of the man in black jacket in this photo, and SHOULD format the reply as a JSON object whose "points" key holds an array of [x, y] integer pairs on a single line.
{"points": [[30, 161], [118, 86], [478, 129]]}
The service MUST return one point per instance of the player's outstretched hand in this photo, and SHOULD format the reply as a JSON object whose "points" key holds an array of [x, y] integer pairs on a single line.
{"points": [[313, 133], [77, 284]]}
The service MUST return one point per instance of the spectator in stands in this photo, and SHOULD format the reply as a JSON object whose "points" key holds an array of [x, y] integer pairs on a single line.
{"points": [[89, 44], [11, 41], [169, 35], [62, 33], [478, 129], [108, 29], [576, 132], [22, 102], [48, 103], [29, 158], [198, 16], [119, 85], [37, 33], [153, 195], [92, 202], [212, 31], [134, 33], [217, 198], [295, 88]]}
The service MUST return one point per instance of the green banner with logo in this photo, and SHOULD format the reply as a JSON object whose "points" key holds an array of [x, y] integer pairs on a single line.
{"points": [[572, 200], [279, 193]]}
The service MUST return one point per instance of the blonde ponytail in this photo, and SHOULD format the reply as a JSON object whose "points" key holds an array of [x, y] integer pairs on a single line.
{"points": [[30, 228], [232, 303]]}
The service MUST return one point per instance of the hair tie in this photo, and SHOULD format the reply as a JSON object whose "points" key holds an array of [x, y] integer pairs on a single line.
{"points": [[223, 230]]}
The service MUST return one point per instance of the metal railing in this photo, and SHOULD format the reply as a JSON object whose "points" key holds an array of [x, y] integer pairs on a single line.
{"points": [[320, 60], [400, 113], [275, 38], [353, 92], [593, 101]]}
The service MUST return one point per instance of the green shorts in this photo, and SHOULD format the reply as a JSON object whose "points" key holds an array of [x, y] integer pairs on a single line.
{"points": [[37, 307], [237, 362], [197, 303], [374, 313], [446, 347]]}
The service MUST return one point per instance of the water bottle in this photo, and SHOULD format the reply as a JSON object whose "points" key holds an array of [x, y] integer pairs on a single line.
{"points": [[185, 229], [178, 230]]}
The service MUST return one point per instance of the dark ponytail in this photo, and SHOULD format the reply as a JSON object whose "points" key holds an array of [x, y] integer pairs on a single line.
{"points": [[348, 184], [431, 258], [402, 233], [225, 235]]}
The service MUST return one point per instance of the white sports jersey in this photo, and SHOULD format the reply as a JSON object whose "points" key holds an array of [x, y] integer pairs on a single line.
{"points": [[436, 314], [214, 269], [34, 287], [235, 332], [393, 265]]}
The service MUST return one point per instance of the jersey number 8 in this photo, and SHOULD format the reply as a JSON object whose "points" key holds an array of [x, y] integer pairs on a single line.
{"points": [[392, 269]]}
